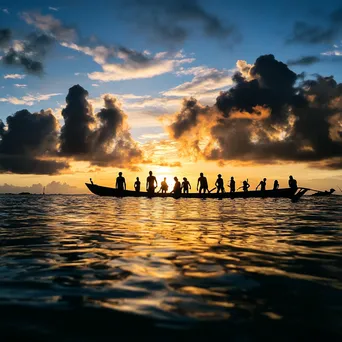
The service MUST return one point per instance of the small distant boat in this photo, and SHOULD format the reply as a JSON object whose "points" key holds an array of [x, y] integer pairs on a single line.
{"points": [[324, 193], [24, 193], [280, 193]]}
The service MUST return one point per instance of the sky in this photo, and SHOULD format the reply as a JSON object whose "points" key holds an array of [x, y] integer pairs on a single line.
{"points": [[245, 89]]}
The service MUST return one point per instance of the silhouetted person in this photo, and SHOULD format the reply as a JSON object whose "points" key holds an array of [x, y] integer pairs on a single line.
{"points": [[203, 183], [275, 185], [91, 181], [232, 184], [262, 185], [120, 182], [186, 185], [151, 183], [163, 186], [292, 183], [137, 185], [219, 184], [177, 189], [244, 186]]}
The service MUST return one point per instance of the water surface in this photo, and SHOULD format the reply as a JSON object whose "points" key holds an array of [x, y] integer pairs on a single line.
{"points": [[86, 268]]}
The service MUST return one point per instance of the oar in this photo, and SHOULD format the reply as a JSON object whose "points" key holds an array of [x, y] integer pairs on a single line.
{"points": [[310, 189], [212, 189], [339, 188]]}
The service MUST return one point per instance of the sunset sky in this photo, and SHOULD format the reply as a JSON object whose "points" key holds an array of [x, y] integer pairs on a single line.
{"points": [[246, 89]]}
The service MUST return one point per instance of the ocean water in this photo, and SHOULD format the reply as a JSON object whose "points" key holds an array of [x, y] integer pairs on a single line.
{"points": [[86, 268]]}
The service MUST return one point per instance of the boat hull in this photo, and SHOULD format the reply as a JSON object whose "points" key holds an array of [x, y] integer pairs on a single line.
{"points": [[111, 192]]}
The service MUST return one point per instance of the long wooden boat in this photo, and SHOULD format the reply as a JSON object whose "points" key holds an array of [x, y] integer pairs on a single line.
{"points": [[280, 193]]}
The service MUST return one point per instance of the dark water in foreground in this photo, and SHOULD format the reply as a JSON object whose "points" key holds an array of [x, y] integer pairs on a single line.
{"points": [[85, 268]]}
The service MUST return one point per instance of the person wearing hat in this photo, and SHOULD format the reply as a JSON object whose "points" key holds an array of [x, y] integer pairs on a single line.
{"points": [[120, 182], [219, 184]]}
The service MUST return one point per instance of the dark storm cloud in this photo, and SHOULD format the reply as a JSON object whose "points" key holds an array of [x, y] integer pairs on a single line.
{"points": [[188, 117], [308, 33], [272, 85], [305, 60], [5, 37], [27, 140], [102, 139], [168, 20], [29, 53], [76, 133], [267, 116], [32, 143]]}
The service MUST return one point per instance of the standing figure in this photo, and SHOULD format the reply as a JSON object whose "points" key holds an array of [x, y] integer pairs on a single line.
{"points": [[177, 189], [244, 186], [120, 182], [275, 185], [232, 184], [202, 181], [163, 186], [91, 181], [219, 184], [292, 183], [151, 183], [137, 185], [262, 185], [186, 185]]}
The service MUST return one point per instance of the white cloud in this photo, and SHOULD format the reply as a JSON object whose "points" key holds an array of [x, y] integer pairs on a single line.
{"points": [[53, 9], [50, 25], [5, 10], [20, 85], [205, 80], [134, 64], [332, 53], [29, 99], [131, 96], [95, 85], [15, 76]]}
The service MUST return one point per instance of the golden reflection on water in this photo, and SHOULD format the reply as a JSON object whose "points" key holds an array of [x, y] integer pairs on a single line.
{"points": [[166, 258]]}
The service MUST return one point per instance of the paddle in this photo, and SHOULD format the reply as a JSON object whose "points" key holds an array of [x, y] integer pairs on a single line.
{"points": [[212, 189], [339, 188]]}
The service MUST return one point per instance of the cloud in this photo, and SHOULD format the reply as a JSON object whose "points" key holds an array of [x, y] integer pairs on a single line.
{"points": [[205, 79], [103, 139], [308, 33], [50, 26], [15, 76], [53, 9], [17, 85], [28, 100], [28, 53], [33, 143], [305, 60], [173, 21], [5, 10], [269, 116], [27, 143], [332, 53], [134, 64]]}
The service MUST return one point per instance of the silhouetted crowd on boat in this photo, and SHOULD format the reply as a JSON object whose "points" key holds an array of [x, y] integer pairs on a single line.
{"points": [[202, 185]]}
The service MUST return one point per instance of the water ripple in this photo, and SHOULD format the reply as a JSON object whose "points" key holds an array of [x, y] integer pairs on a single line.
{"points": [[172, 264]]}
